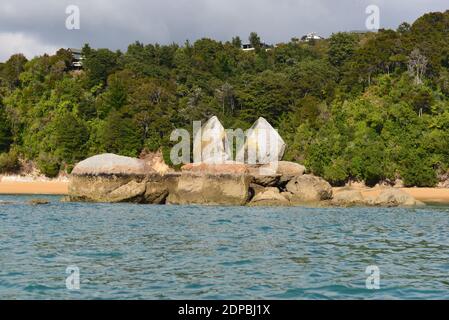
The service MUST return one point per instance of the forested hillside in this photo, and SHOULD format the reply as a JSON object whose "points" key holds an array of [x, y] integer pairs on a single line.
{"points": [[367, 107]]}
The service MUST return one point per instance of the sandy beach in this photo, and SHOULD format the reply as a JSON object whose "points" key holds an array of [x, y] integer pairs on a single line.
{"points": [[34, 187]]}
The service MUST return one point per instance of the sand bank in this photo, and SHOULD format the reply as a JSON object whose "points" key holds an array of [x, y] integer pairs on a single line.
{"points": [[9, 185]]}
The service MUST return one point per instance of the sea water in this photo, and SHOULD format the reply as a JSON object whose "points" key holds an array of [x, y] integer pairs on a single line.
{"points": [[127, 251]]}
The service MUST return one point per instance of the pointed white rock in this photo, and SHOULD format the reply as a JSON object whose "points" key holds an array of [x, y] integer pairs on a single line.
{"points": [[263, 144], [212, 143]]}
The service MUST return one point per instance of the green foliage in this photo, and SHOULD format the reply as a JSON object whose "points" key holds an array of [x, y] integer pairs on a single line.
{"points": [[12, 69], [9, 162], [99, 64], [48, 165], [341, 48], [70, 136], [5, 132], [120, 135], [254, 40], [417, 170]]}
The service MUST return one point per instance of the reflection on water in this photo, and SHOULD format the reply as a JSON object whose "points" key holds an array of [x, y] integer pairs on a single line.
{"points": [[166, 252]]}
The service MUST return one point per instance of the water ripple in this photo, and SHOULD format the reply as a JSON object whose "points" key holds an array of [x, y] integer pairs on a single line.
{"points": [[127, 251]]}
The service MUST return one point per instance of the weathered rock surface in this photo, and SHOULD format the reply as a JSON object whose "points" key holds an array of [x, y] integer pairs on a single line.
{"points": [[270, 197], [289, 170], [255, 189], [275, 174], [211, 143], [151, 189], [157, 189], [348, 197], [393, 197], [37, 202], [389, 197], [111, 164], [155, 161], [132, 191], [113, 178], [308, 188], [210, 189], [225, 168], [263, 143]]}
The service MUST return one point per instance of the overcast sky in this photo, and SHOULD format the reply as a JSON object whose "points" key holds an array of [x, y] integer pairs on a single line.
{"points": [[39, 26]]}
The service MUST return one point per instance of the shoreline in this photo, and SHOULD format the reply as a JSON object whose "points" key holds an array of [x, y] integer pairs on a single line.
{"points": [[60, 187]]}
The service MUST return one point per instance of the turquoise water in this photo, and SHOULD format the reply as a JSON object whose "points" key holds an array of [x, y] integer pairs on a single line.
{"points": [[126, 251]]}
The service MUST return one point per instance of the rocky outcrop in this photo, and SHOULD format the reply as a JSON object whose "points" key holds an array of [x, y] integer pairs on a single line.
{"points": [[263, 178], [210, 189], [212, 184], [348, 198], [392, 197], [38, 202], [151, 188], [158, 188], [95, 188], [155, 161], [388, 197], [308, 188], [112, 178], [211, 143], [111, 164], [270, 197], [263, 143], [289, 170], [226, 168], [275, 174]]}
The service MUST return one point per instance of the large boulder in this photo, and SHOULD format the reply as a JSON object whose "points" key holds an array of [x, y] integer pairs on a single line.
{"points": [[262, 176], [106, 188], [289, 170], [308, 188], [263, 144], [111, 164], [210, 189], [276, 173], [113, 178], [269, 197], [150, 189], [211, 143], [393, 197], [348, 198]]}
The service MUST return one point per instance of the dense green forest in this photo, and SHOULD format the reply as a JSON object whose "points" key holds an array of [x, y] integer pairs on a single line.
{"points": [[369, 107]]}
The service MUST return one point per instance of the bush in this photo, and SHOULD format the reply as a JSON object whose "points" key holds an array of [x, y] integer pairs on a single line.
{"points": [[336, 173], [9, 162], [417, 171], [5, 132], [48, 165]]}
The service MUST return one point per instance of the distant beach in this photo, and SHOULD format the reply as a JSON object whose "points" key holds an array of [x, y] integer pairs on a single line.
{"points": [[32, 185]]}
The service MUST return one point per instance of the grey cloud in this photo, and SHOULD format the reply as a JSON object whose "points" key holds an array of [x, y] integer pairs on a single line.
{"points": [[115, 24]]}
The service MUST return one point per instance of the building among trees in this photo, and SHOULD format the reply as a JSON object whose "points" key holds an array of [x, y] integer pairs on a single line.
{"points": [[77, 58], [311, 36]]}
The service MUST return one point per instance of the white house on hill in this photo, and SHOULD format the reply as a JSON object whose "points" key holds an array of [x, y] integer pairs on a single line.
{"points": [[311, 36]]}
